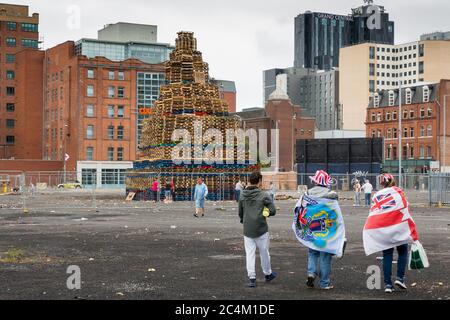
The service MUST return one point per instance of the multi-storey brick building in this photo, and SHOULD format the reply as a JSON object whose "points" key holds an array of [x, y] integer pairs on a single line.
{"points": [[422, 129], [18, 31], [91, 108]]}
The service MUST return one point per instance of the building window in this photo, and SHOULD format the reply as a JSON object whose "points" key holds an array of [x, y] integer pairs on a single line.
{"points": [[121, 75], [421, 50], [411, 114], [120, 111], [120, 154], [411, 132], [429, 112], [421, 67], [120, 131], [373, 117], [411, 152], [405, 152], [426, 94], [430, 131], [90, 74], [10, 107], [111, 75], [10, 123], [10, 91], [11, 26], [10, 58], [405, 114], [89, 153], [408, 96], [110, 111], [110, 154], [389, 134], [376, 100], [10, 139], [422, 112], [405, 132], [429, 152], [388, 116], [111, 132], [371, 85], [379, 118], [371, 69], [391, 98], [10, 75], [422, 152], [90, 91], [30, 43], [111, 92], [389, 153], [90, 132], [90, 111], [372, 53], [30, 27], [422, 131], [394, 115], [121, 92]]}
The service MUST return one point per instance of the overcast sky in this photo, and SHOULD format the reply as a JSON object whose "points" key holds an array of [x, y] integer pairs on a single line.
{"points": [[238, 38]]}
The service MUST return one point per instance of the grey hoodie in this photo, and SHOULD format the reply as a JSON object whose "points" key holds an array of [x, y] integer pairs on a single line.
{"points": [[251, 206]]}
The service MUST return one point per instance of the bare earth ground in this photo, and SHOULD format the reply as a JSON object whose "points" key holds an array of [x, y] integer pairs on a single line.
{"points": [[147, 251]]}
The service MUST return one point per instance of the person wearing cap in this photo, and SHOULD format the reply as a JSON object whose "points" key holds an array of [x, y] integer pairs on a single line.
{"points": [[322, 189]]}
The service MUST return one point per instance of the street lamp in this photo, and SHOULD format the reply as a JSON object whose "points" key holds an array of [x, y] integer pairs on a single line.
{"points": [[400, 135], [443, 162], [294, 117]]}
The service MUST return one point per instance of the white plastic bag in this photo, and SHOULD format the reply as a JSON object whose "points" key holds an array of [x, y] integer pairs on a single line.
{"points": [[418, 258]]}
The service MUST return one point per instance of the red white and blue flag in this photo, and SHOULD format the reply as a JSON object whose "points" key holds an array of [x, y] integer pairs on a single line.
{"points": [[389, 224]]}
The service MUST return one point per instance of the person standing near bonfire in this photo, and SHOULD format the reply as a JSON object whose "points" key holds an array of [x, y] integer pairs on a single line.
{"points": [[200, 194]]}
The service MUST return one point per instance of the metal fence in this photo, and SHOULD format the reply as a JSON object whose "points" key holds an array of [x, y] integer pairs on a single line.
{"points": [[439, 189], [108, 189]]}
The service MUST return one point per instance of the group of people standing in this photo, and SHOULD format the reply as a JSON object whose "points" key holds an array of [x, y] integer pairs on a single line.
{"points": [[366, 188], [381, 233], [169, 191]]}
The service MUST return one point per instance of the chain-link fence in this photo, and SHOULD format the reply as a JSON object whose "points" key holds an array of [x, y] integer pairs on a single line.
{"points": [[108, 189]]}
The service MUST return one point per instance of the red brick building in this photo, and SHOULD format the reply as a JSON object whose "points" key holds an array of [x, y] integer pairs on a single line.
{"points": [[228, 92], [281, 114], [91, 109], [18, 31], [422, 125]]}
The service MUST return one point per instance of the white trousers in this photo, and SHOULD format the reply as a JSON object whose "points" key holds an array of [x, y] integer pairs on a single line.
{"points": [[262, 243]]}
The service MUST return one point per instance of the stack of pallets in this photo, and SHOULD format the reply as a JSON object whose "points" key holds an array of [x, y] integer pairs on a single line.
{"points": [[189, 99]]}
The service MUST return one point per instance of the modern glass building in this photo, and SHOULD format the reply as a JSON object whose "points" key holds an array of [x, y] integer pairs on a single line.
{"points": [[118, 51], [319, 36], [147, 93]]}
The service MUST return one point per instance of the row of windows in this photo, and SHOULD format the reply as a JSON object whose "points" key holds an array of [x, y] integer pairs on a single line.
{"points": [[377, 117], [26, 43], [397, 50], [10, 123], [90, 111], [388, 66], [27, 27], [408, 152], [112, 132], [111, 75], [392, 133], [56, 76], [111, 153], [113, 92]]}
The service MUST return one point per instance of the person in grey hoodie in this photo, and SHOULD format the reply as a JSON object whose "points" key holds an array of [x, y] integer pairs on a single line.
{"points": [[323, 182], [255, 206]]}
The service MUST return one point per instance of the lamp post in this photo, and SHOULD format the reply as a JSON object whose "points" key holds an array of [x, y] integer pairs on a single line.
{"points": [[400, 135], [444, 152], [294, 117]]}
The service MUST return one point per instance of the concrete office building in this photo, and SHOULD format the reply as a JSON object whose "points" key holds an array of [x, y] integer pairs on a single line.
{"points": [[129, 32], [319, 96], [368, 68], [319, 36], [18, 31], [438, 35]]}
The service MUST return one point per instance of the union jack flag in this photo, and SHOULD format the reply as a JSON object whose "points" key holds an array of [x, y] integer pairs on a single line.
{"points": [[383, 202], [301, 212]]}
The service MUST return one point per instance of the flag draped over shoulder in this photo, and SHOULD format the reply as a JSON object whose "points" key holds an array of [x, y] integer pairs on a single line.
{"points": [[319, 224], [389, 224]]}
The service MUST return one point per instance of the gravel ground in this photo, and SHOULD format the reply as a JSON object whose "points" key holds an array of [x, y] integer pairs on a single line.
{"points": [[147, 251]]}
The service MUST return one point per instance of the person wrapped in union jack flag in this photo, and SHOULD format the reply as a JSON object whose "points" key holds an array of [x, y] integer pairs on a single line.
{"points": [[390, 226]]}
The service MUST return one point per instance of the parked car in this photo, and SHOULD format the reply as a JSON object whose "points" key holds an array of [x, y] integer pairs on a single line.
{"points": [[70, 185]]}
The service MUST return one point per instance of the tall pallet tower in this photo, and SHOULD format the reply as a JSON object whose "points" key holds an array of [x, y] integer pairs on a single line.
{"points": [[188, 101]]}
